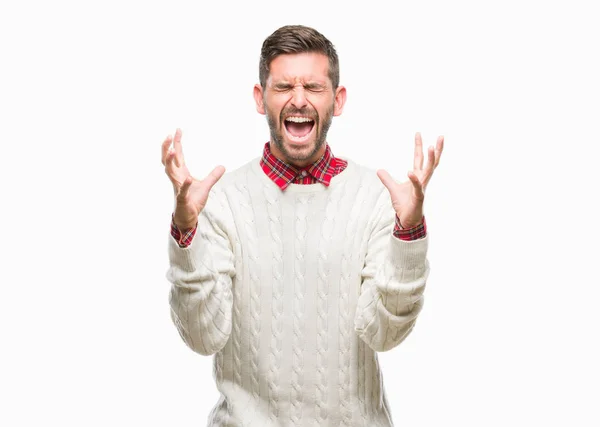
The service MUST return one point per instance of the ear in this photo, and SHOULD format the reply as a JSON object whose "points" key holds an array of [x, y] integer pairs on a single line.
{"points": [[340, 100], [258, 98]]}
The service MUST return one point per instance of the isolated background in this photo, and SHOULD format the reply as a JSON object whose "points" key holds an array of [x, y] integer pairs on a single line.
{"points": [[88, 91]]}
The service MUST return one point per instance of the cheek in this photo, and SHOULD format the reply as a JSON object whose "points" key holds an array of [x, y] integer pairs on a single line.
{"points": [[274, 113], [275, 106], [321, 104]]}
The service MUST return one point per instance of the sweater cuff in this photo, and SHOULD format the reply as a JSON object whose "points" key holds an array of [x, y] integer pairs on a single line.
{"points": [[186, 258], [408, 256]]}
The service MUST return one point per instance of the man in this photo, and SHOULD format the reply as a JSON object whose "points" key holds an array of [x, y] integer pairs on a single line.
{"points": [[295, 269]]}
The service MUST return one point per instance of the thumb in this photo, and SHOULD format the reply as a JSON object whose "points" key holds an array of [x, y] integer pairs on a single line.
{"points": [[386, 179], [214, 176]]}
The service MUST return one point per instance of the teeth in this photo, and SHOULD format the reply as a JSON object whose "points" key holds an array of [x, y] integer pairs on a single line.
{"points": [[298, 119]]}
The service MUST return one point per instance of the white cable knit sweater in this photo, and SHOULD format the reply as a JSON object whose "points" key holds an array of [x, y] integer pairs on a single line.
{"points": [[294, 292]]}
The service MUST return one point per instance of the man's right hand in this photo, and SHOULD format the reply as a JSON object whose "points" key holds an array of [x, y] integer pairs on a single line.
{"points": [[190, 193]]}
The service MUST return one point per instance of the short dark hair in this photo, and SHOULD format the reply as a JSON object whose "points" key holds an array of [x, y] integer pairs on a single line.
{"points": [[297, 39]]}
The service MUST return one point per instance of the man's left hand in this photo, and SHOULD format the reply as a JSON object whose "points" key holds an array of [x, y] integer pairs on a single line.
{"points": [[408, 197]]}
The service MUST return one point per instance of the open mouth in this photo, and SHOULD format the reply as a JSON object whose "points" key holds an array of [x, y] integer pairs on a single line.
{"points": [[298, 128]]}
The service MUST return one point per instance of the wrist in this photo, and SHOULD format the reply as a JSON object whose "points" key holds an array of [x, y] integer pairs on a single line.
{"points": [[185, 224], [408, 223]]}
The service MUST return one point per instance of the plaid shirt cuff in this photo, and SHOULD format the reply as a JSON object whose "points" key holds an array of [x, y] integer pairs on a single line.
{"points": [[414, 233], [183, 239]]}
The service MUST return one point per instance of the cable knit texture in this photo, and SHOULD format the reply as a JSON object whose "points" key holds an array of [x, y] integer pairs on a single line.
{"points": [[295, 292]]}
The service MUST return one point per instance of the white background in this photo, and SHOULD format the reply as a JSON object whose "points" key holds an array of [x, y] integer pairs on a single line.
{"points": [[88, 91]]}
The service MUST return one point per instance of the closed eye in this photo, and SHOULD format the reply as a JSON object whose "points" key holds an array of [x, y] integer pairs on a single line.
{"points": [[282, 87], [313, 87]]}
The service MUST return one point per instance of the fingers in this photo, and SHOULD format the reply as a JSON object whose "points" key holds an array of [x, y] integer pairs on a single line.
{"points": [[183, 191], [172, 159], [169, 160], [433, 160], [177, 147], [418, 163], [165, 149], [169, 165], [439, 147], [429, 168], [418, 187], [214, 176]]}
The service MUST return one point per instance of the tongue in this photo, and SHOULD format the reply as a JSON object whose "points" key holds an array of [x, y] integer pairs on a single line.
{"points": [[299, 129]]}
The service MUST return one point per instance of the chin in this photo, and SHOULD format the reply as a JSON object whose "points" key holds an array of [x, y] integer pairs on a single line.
{"points": [[301, 150], [296, 152]]}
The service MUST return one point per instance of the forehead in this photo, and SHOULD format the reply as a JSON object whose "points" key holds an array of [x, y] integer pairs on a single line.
{"points": [[309, 66]]}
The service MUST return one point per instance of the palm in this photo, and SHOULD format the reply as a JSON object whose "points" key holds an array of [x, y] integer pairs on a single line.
{"points": [[407, 197], [197, 195], [191, 194]]}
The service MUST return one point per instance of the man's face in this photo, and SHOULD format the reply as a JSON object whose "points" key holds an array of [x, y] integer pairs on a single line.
{"points": [[299, 102]]}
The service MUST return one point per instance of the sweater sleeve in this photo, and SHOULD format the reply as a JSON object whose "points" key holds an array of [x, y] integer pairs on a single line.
{"points": [[201, 281], [393, 281]]}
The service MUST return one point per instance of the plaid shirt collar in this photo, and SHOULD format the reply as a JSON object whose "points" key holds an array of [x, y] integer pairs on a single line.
{"points": [[284, 174]]}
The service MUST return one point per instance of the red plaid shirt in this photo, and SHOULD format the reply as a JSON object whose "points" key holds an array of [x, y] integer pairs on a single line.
{"points": [[283, 175]]}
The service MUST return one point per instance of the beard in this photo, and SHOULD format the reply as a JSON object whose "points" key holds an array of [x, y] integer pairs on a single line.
{"points": [[277, 132]]}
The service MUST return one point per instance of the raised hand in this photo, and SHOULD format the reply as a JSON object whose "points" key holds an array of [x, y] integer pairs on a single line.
{"points": [[408, 197], [191, 194]]}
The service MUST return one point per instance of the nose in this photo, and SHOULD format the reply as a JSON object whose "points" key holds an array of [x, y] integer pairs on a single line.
{"points": [[299, 97]]}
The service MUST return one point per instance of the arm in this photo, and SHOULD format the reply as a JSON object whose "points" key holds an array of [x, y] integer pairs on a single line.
{"points": [[396, 269], [200, 271], [393, 281], [201, 277]]}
